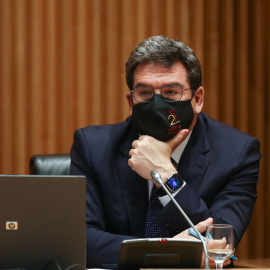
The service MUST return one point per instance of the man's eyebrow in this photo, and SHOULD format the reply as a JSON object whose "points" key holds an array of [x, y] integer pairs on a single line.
{"points": [[174, 84], [169, 84], [142, 84]]}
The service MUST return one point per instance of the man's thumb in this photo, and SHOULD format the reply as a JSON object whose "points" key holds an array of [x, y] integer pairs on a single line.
{"points": [[201, 226], [178, 138]]}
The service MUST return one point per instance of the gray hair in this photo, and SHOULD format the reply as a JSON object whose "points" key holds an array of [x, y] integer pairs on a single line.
{"points": [[164, 51]]}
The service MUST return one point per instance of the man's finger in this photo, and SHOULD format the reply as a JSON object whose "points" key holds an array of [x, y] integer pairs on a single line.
{"points": [[178, 138], [201, 227]]}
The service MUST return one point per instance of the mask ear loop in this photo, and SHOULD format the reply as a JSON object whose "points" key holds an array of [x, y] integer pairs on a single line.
{"points": [[132, 96]]}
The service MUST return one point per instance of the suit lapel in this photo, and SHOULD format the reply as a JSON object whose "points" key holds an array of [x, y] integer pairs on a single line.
{"points": [[195, 158], [133, 186]]}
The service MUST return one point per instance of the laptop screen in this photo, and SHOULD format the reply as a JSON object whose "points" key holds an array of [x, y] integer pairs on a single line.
{"points": [[42, 220]]}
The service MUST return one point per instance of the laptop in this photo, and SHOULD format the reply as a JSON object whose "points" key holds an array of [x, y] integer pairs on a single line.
{"points": [[42, 222], [160, 253]]}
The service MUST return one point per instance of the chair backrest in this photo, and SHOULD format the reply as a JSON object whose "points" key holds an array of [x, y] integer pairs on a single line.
{"points": [[55, 164]]}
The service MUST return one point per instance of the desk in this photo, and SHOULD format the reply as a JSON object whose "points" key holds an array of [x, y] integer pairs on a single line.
{"points": [[258, 264], [253, 263]]}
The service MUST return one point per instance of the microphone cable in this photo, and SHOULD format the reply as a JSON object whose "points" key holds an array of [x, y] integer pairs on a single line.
{"points": [[59, 267]]}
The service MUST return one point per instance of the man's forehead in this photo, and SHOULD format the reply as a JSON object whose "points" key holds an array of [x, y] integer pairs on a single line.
{"points": [[155, 71]]}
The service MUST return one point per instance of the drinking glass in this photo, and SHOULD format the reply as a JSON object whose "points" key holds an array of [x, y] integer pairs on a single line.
{"points": [[219, 243]]}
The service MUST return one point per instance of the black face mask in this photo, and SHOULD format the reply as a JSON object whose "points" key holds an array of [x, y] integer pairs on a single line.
{"points": [[160, 119]]}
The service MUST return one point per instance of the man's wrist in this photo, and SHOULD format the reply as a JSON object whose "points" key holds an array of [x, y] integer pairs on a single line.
{"points": [[167, 174], [173, 184]]}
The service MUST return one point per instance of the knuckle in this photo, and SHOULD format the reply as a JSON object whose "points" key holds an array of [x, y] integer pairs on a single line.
{"points": [[131, 163], [134, 143]]}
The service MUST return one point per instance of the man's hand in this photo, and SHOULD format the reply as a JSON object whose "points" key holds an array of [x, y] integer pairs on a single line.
{"points": [[148, 154], [201, 227]]}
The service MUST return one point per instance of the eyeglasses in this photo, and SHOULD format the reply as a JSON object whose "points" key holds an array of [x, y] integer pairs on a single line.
{"points": [[170, 93]]}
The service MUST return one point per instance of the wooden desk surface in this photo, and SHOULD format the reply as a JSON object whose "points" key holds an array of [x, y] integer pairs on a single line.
{"points": [[202, 268], [258, 264], [253, 263]]}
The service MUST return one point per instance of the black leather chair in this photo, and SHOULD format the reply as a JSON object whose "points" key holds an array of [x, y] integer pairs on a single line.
{"points": [[55, 164]]}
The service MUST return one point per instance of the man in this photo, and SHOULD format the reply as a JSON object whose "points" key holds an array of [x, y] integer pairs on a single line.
{"points": [[166, 132]]}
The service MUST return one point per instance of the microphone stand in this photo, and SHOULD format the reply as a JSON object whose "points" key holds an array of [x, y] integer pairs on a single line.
{"points": [[157, 178]]}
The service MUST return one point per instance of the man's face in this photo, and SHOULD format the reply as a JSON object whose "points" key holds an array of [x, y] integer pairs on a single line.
{"points": [[157, 76]]}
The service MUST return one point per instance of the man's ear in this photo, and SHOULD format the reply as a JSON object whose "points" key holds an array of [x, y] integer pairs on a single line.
{"points": [[129, 99], [199, 98]]}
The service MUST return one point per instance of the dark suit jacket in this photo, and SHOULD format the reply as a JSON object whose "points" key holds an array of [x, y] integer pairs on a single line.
{"points": [[220, 166]]}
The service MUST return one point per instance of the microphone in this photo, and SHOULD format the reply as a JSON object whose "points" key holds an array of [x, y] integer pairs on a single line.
{"points": [[157, 178]]}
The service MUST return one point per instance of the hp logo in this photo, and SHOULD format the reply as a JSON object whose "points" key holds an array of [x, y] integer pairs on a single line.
{"points": [[11, 225]]}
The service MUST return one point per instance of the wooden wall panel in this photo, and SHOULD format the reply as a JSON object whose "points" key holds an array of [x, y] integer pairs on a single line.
{"points": [[226, 66], [62, 67], [266, 128]]}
